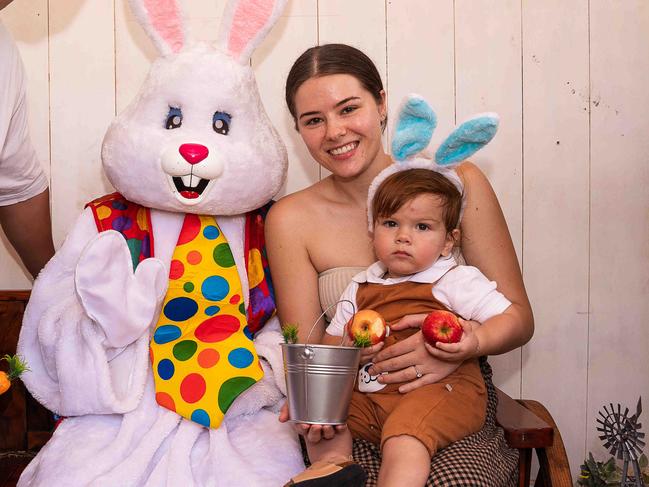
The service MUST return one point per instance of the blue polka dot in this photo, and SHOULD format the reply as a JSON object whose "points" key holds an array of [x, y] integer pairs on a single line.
{"points": [[180, 309], [119, 205], [212, 310], [166, 369], [122, 223], [146, 246], [248, 333], [210, 232], [166, 333], [240, 358], [200, 416], [215, 288]]}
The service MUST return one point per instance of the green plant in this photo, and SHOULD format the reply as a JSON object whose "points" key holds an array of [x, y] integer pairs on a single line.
{"points": [[596, 474], [362, 340], [643, 462], [599, 474], [289, 332]]}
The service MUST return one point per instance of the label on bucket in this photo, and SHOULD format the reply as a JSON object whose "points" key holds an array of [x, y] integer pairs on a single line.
{"points": [[367, 382]]}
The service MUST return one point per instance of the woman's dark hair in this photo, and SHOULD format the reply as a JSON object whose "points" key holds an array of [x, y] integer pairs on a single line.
{"points": [[332, 59], [406, 185]]}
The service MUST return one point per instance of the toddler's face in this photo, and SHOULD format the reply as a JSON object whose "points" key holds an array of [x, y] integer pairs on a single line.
{"points": [[414, 237]]}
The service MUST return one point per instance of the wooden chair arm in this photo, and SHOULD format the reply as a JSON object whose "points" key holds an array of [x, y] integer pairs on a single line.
{"points": [[523, 428]]}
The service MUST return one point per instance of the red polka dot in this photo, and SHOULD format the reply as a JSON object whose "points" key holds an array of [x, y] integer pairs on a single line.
{"points": [[217, 328], [194, 257], [191, 227], [192, 388], [235, 299], [151, 354], [165, 400], [208, 358], [176, 269]]}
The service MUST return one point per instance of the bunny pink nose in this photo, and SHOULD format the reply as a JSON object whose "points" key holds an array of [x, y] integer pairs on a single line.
{"points": [[193, 153]]}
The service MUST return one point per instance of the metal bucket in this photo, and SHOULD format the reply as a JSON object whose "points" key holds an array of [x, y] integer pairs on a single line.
{"points": [[320, 380]]}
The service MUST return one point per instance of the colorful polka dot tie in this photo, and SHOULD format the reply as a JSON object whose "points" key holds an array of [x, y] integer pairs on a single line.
{"points": [[202, 352]]}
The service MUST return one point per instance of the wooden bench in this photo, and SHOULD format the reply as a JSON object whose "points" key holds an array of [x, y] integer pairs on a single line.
{"points": [[25, 425]]}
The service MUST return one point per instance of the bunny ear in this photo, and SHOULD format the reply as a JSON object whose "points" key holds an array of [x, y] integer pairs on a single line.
{"points": [[162, 21], [467, 139], [414, 128], [245, 25]]}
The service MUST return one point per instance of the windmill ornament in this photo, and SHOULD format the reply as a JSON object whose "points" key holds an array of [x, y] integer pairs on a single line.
{"points": [[622, 438]]}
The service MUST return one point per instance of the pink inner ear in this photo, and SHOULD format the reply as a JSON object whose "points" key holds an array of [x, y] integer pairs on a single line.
{"points": [[165, 19], [248, 19]]}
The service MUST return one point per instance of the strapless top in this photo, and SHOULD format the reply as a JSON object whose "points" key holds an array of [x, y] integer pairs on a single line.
{"points": [[331, 284]]}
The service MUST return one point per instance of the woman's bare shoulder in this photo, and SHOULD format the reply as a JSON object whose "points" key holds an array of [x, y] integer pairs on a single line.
{"points": [[471, 175], [294, 206]]}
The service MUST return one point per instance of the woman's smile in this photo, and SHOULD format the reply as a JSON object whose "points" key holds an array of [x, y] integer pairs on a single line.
{"points": [[344, 152]]}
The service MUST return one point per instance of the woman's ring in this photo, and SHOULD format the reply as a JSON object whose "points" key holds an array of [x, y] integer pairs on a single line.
{"points": [[419, 374]]}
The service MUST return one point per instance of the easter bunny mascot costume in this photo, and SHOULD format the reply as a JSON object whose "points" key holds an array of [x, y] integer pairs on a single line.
{"points": [[140, 329]]}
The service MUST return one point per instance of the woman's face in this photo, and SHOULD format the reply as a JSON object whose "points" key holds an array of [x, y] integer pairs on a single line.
{"points": [[340, 123]]}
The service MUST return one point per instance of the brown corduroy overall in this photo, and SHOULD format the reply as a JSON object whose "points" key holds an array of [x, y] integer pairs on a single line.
{"points": [[435, 414]]}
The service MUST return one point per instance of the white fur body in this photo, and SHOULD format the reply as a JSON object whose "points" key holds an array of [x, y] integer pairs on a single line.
{"points": [[88, 324], [115, 433]]}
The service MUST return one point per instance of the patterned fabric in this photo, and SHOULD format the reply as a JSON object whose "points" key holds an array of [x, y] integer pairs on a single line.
{"points": [[261, 305], [480, 460], [202, 353], [114, 212]]}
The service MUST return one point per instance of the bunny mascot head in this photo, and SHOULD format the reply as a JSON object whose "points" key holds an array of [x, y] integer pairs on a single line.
{"points": [[140, 329], [197, 138]]}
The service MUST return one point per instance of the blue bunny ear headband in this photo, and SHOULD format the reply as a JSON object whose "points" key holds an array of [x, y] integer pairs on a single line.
{"points": [[414, 128]]}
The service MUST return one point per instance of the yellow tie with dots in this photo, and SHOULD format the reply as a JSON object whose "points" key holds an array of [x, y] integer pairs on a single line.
{"points": [[202, 353]]}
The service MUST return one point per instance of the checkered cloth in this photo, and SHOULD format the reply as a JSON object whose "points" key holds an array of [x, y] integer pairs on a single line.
{"points": [[480, 460]]}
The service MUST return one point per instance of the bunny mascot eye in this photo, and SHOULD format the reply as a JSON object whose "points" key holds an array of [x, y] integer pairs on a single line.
{"points": [[174, 118], [221, 123]]}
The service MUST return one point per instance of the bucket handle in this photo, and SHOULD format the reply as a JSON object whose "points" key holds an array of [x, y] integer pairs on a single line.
{"points": [[325, 312]]}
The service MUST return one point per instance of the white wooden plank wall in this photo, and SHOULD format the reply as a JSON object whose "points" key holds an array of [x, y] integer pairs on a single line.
{"points": [[569, 165]]}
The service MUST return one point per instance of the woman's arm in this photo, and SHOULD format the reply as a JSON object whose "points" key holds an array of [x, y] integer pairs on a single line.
{"points": [[295, 279], [487, 245]]}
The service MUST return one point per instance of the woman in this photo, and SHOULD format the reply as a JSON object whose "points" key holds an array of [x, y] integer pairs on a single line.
{"points": [[317, 238]]}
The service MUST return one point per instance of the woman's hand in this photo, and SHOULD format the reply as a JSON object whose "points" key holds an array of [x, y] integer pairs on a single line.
{"points": [[405, 360], [312, 433]]}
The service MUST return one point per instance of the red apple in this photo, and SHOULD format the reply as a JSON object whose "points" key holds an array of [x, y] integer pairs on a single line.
{"points": [[367, 324], [441, 326]]}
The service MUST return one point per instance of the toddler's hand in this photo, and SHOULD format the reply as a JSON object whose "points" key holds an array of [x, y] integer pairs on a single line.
{"points": [[466, 348]]}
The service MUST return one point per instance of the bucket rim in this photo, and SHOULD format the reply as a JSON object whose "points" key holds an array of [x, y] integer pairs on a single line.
{"points": [[317, 345]]}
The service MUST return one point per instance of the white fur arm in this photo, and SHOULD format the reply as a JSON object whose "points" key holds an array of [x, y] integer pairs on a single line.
{"points": [[122, 302], [73, 370]]}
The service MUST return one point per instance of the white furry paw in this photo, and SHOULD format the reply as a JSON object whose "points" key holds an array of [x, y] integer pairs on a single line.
{"points": [[122, 302]]}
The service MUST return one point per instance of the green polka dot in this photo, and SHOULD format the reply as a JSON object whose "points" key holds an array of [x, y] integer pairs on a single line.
{"points": [[223, 255], [188, 287], [242, 308], [134, 246], [185, 349], [231, 388]]}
